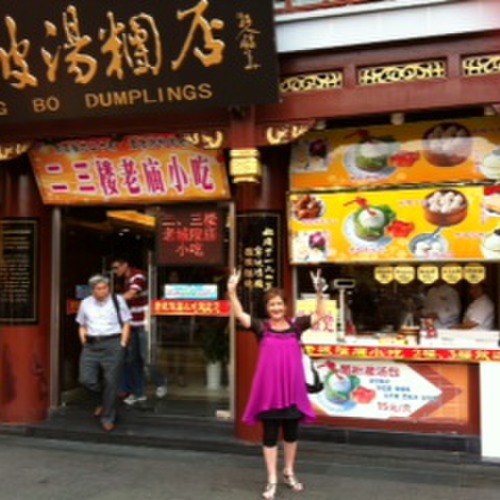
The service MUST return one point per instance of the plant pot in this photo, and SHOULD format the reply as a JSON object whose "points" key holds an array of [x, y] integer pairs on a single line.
{"points": [[214, 372]]}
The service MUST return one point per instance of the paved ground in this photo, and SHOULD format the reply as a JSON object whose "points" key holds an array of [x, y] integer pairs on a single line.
{"points": [[43, 469]]}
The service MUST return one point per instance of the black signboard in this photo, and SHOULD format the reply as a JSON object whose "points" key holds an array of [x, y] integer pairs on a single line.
{"points": [[259, 258], [190, 235], [86, 58], [19, 271]]}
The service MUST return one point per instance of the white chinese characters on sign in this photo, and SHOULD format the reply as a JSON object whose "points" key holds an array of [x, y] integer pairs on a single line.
{"points": [[375, 390]]}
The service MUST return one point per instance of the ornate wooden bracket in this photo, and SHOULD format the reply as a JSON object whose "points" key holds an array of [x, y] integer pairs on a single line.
{"points": [[283, 133], [207, 139], [11, 150]]}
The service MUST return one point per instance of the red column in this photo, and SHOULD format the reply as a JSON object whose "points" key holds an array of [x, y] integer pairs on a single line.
{"points": [[269, 194], [25, 349]]}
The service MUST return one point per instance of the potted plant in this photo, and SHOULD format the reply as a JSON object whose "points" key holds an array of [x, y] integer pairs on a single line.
{"points": [[215, 345]]}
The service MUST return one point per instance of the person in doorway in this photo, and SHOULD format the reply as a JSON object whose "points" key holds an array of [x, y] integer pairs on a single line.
{"points": [[104, 333], [442, 303], [278, 397], [480, 313], [137, 297]]}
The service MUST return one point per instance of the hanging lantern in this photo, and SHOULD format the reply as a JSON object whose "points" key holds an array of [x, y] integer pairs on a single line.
{"points": [[245, 165]]}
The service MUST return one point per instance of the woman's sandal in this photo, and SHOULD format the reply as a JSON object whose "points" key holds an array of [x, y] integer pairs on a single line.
{"points": [[292, 482], [270, 492]]}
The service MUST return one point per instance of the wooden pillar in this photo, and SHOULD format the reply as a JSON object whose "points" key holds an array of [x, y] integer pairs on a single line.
{"points": [[25, 348], [268, 194]]}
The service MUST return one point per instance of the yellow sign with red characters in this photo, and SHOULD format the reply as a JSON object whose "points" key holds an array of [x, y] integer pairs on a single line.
{"points": [[137, 169], [425, 152], [439, 223]]}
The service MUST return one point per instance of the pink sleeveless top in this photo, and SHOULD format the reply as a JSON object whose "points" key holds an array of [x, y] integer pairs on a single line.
{"points": [[279, 380]]}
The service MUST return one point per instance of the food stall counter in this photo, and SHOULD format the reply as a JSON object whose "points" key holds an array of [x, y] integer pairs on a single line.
{"points": [[437, 382]]}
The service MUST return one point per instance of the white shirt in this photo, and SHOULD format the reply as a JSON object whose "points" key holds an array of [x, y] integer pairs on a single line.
{"points": [[445, 302], [482, 312], [100, 317]]}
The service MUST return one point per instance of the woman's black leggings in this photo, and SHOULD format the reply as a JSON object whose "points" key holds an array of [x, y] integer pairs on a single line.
{"points": [[271, 428]]}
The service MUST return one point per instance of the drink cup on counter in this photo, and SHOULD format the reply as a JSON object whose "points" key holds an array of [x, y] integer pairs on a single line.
{"points": [[428, 328]]}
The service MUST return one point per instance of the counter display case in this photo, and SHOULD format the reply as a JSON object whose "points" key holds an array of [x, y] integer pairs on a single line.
{"points": [[444, 385]]}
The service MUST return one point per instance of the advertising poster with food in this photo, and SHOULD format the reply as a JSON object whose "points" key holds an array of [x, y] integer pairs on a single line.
{"points": [[445, 151], [383, 390], [431, 224], [326, 328]]}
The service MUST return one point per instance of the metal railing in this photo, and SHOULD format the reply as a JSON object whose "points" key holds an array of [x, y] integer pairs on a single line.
{"points": [[282, 6]]}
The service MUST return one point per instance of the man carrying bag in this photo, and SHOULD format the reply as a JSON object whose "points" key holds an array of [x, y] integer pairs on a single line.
{"points": [[104, 333]]}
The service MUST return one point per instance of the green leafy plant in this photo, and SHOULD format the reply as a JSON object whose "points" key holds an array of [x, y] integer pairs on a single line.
{"points": [[215, 340]]}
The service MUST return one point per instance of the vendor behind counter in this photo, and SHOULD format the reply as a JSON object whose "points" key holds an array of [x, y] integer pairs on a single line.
{"points": [[442, 303], [480, 314], [376, 307]]}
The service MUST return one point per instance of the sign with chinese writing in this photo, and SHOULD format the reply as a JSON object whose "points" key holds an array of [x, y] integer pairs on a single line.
{"points": [[385, 390], [451, 274], [474, 273], [190, 235], [428, 274], [85, 59], [259, 257], [433, 152], [19, 271], [190, 308], [404, 274], [438, 223], [384, 274], [137, 169], [190, 292]]}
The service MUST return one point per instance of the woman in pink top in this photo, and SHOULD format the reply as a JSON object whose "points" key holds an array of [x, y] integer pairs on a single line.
{"points": [[278, 398]]}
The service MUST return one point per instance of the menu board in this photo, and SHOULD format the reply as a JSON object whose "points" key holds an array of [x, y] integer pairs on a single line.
{"points": [[439, 223], [438, 151], [259, 256], [190, 235], [19, 271]]}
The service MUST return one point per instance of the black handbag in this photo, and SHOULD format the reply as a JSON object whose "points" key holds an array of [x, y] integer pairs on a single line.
{"points": [[315, 385]]}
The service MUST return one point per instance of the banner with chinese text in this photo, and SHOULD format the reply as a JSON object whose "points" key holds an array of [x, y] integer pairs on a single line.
{"points": [[82, 59], [437, 152], [438, 223], [217, 308], [259, 256], [138, 169]]}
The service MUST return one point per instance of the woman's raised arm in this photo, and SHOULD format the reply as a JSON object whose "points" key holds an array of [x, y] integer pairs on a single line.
{"points": [[237, 308], [320, 286]]}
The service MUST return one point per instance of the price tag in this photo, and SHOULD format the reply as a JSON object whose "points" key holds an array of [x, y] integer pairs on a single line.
{"points": [[474, 273], [451, 274], [428, 274], [404, 274], [384, 274]]}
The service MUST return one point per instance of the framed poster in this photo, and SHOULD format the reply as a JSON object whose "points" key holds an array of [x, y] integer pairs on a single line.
{"points": [[19, 267]]}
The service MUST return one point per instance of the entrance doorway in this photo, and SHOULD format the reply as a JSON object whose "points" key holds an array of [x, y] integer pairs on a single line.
{"points": [[180, 345]]}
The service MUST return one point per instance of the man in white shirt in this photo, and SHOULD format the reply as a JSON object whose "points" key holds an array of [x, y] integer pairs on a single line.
{"points": [[443, 304], [480, 314], [104, 333]]}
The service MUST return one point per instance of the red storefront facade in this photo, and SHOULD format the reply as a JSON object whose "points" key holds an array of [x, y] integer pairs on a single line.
{"points": [[441, 73]]}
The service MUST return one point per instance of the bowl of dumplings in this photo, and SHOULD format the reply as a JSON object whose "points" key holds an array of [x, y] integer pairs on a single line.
{"points": [[447, 144], [445, 207]]}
